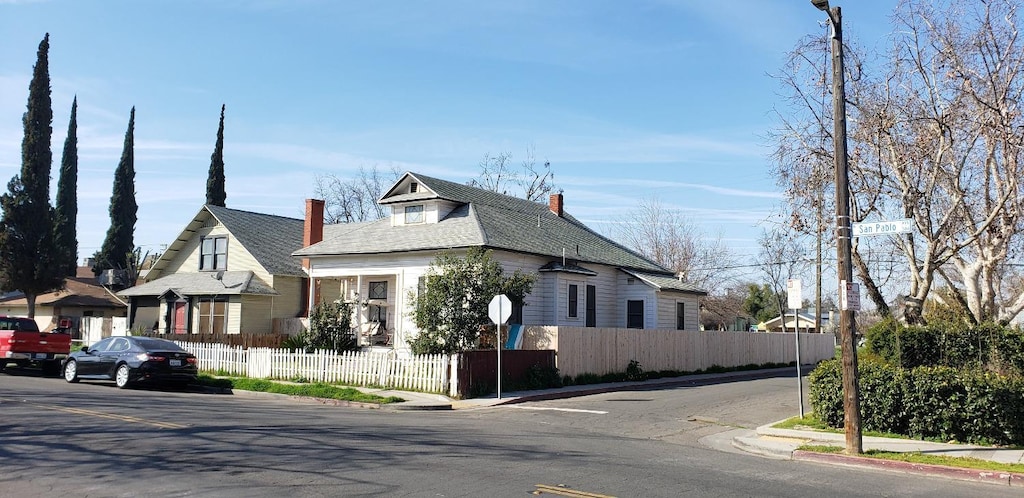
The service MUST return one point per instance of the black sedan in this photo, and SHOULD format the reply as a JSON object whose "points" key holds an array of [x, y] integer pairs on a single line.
{"points": [[127, 360]]}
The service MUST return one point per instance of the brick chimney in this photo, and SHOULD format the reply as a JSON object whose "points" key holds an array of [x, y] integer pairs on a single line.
{"points": [[555, 204], [313, 227]]}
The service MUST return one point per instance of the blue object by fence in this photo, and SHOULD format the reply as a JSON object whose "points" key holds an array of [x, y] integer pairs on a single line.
{"points": [[515, 337]]}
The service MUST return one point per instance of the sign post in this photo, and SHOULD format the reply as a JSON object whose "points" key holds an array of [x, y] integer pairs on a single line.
{"points": [[795, 301], [499, 310]]}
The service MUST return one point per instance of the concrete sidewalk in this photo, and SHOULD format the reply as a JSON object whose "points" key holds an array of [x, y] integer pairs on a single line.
{"points": [[784, 443]]}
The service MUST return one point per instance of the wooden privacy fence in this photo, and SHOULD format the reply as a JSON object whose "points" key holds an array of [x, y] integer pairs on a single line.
{"points": [[428, 373], [600, 351]]}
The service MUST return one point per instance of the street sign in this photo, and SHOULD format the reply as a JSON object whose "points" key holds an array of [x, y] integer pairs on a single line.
{"points": [[891, 227], [850, 299], [794, 300], [500, 309]]}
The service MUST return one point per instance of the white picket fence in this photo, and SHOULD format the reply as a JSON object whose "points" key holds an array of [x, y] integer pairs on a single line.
{"points": [[361, 368]]}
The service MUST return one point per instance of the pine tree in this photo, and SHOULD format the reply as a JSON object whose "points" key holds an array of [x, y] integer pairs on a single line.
{"points": [[119, 244], [65, 233], [26, 227], [215, 193]]}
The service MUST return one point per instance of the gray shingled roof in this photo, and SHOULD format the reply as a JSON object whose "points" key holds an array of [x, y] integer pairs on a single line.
{"points": [[665, 282], [485, 219], [270, 239], [203, 284]]}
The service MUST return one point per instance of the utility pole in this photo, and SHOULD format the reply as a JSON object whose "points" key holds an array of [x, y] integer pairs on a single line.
{"points": [[851, 394]]}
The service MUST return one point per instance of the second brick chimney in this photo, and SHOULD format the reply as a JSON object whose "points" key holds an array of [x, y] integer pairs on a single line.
{"points": [[313, 227], [555, 204]]}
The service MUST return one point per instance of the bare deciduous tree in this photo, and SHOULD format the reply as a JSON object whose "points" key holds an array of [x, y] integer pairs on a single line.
{"points": [[781, 257], [935, 132], [498, 175], [354, 199], [667, 237]]}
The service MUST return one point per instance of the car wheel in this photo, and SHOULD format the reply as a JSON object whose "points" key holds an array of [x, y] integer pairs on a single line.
{"points": [[121, 376], [71, 371]]}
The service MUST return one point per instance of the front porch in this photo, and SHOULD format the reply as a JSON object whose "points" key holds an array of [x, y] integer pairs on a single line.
{"points": [[375, 299]]}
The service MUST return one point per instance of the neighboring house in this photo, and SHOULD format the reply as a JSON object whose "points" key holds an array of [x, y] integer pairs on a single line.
{"points": [[802, 321], [229, 271], [583, 278], [82, 296]]}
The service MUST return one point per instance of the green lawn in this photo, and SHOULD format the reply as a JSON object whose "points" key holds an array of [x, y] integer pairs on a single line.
{"points": [[315, 390]]}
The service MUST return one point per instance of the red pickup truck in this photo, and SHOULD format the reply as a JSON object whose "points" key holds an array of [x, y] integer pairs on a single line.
{"points": [[21, 342]]}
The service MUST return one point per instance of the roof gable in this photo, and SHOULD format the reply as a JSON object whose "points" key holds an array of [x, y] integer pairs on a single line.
{"points": [[270, 239]]}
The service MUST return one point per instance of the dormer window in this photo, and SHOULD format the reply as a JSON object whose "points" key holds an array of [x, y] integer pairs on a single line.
{"points": [[413, 214]]}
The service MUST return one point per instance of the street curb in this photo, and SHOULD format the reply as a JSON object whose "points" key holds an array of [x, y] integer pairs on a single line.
{"points": [[682, 381], [976, 475], [756, 446]]}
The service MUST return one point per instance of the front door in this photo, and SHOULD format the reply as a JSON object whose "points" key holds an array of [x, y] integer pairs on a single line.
{"points": [[179, 325]]}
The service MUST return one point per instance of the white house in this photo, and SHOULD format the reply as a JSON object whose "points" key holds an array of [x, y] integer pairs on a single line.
{"points": [[583, 278]]}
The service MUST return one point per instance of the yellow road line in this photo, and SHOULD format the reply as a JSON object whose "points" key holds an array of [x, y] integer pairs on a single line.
{"points": [[564, 491], [112, 416]]}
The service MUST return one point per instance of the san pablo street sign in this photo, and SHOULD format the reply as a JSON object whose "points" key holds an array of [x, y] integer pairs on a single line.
{"points": [[891, 227]]}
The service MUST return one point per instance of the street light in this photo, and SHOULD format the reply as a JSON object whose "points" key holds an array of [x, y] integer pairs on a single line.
{"points": [[848, 343]]}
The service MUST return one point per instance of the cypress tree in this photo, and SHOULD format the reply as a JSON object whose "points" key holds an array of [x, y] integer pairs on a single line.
{"points": [[215, 193], [65, 232], [119, 244], [26, 227]]}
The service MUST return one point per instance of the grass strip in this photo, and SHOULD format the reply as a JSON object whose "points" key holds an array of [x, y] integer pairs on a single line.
{"points": [[918, 457], [315, 390]]}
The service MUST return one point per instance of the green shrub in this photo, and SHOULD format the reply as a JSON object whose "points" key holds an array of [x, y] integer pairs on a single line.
{"points": [[940, 403], [634, 371], [826, 392]]}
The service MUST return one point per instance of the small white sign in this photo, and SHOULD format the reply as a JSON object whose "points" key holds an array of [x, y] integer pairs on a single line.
{"points": [[891, 227], [794, 299], [850, 299], [499, 309]]}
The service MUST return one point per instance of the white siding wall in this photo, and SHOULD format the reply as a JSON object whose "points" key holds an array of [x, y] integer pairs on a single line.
{"points": [[636, 291], [546, 305], [667, 310]]}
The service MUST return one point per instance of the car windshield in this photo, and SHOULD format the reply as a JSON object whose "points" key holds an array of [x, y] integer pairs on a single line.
{"points": [[149, 344]]}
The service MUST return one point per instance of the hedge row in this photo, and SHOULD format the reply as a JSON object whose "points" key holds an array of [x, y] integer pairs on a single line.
{"points": [[985, 346], [940, 403]]}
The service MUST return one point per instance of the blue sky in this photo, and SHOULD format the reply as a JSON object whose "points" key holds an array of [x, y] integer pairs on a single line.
{"points": [[665, 99]]}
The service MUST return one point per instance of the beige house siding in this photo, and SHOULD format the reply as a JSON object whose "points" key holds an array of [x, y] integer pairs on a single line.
{"points": [[187, 260], [289, 303], [257, 317]]}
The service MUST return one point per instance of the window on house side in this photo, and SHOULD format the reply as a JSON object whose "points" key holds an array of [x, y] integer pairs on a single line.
{"points": [[574, 300], [680, 316], [634, 314], [213, 253], [413, 214], [213, 316], [379, 290]]}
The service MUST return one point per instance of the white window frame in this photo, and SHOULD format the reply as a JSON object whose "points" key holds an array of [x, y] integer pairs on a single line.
{"points": [[218, 258], [413, 215]]}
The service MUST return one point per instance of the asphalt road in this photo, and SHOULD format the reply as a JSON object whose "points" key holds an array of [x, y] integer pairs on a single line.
{"points": [[91, 439]]}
